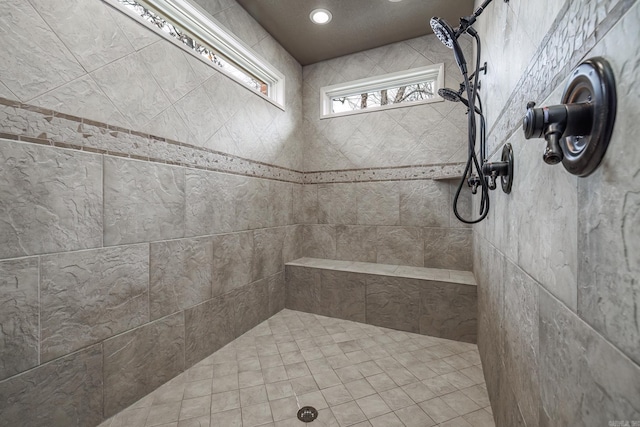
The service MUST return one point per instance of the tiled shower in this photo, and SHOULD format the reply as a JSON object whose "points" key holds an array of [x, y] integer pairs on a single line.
{"points": [[149, 204]]}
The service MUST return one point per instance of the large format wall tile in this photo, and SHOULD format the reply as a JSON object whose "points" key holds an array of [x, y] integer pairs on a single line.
{"points": [[599, 383], [393, 302], [75, 23], [180, 275], [139, 361], [400, 245], [337, 204], [609, 208], [249, 306], [50, 200], [143, 201], [169, 66], [305, 204], [449, 311], [212, 202], [319, 241], [277, 292], [66, 392], [343, 295], [208, 327], [292, 247], [448, 248], [378, 203], [303, 290], [82, 98], [521, 337], [424, 203], [19, 317], [142, 100], [356, 243], [232, 261], [32, 59], [267, 252], [91, 295]]}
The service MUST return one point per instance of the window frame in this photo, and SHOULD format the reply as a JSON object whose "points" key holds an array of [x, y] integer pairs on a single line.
{"points": [[194, 20], [376, 83]]}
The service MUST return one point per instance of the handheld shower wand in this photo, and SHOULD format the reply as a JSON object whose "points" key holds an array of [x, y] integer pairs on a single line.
{"points": [[449, 37]]}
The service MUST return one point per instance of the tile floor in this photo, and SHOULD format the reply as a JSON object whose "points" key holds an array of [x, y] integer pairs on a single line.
{"points": [[354, 374]]}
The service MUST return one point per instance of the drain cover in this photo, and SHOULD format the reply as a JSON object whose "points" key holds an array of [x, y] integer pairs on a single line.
{"points": [[307, 414]]}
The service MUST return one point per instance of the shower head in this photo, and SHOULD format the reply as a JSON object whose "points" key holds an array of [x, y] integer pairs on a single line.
{"points": [[449, 94], [449, 38], [454, 96], [443, 31]]}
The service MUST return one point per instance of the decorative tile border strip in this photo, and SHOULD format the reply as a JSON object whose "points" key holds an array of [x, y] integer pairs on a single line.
{"points": [[28, 123], [555, 58], [33, 124], [398, 173]]}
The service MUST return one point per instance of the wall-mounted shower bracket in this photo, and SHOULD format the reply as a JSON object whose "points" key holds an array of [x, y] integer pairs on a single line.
{"points": [[502, 169], [578, 130]]}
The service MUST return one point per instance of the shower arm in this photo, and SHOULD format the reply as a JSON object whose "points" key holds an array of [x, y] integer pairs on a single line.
{"points": [[468, 21]]}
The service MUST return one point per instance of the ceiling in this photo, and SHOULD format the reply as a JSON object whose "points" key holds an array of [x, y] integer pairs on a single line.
{"points": [[357, 25]]}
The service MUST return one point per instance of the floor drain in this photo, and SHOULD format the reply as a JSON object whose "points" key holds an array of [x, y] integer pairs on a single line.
{"points": [[307, 414]]}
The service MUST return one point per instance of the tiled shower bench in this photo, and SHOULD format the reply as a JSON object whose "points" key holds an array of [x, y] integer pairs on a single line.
{"points": [[436, 302]]}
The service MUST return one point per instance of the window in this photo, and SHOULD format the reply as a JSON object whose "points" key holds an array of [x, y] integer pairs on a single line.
{"points": [[192, 28], [401, 89]]}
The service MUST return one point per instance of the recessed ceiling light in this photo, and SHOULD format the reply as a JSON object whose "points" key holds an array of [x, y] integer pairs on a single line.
{"points": [[395, 1], [320, 16]]}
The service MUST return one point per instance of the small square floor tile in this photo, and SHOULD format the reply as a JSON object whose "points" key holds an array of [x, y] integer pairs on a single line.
{"points": [[373, 406], [336, 395], [387, 420], [348, 413]]}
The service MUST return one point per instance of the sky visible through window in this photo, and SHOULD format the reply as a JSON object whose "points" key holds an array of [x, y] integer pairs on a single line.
{"points": [[373, 99], [204, 51]]}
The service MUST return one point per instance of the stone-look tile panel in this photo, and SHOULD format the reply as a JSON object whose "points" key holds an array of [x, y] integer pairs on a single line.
{"points": [[393, 302], [33, 59], [319, 241], [88, 296], [594, 373], [280, 203], [180, 275], [448, 248], [170, 68], [343, 295], [609, 206], [143, 201], [305, 204], [378, 203], [211, 200], [141, 101], [277, 292], [490, 278], [521, 336], [139, 361], [232, 261], [292, 247], [267, 252], [64, 392], [449, 311], [208, 327], [50, 200], [19, 329], [249, 306], [424, 203], [82, 97], [356, 243], [400, 245], [337, 204], [74, 22], [303, 291]]}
